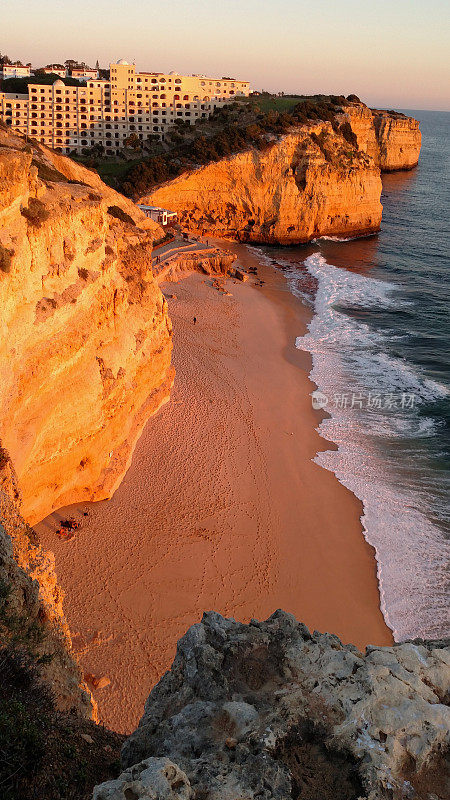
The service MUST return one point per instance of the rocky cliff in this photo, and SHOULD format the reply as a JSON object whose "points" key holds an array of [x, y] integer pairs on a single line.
{"points": [[268, 710], [399, 140], [391, 139], [321, 179], [308, 183], [85, 338]]}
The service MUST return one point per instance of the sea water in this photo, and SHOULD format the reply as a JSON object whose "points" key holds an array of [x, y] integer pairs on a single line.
{"points": [[380, 345]]}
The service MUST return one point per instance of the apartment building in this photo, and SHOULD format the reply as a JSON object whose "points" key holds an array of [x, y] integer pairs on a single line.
{"points": [[107, 113]]}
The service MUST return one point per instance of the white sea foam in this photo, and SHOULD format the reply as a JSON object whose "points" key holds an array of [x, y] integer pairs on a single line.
{"points": [[340, 238], [350, 357]]}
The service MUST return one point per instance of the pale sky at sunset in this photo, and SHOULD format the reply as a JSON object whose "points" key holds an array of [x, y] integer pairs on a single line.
{"points": [[392, 53]]}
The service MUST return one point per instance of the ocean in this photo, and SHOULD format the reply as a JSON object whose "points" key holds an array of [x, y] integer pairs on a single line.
{"points": [[380, 345]]}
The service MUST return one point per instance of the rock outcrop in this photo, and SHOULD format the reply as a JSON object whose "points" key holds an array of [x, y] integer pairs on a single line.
{"points": [[311, 182], [399, 140], [85, 337], [392, 139], [216, 263], [31, 613], [268, 710], [318, 180]]}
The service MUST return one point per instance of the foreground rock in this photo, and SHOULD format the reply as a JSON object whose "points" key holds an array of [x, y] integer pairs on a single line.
{"points": [[153, 779], [85, 337], [268, 710]]}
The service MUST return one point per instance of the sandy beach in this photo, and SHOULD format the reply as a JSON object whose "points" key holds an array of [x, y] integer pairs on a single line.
{"points": [[222, 507]]}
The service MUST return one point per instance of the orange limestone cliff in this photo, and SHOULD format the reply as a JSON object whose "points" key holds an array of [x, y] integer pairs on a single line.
{"points": [[310, 182], [85, 337], [392, 139], [399, 140]]}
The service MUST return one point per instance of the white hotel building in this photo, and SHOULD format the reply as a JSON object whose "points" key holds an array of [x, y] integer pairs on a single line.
{"points": [[146, 104]]}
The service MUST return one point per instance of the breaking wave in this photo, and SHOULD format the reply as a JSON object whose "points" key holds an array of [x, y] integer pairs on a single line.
{"points": [[378, 404]]}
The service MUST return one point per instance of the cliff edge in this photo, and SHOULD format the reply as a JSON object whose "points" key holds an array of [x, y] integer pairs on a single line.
{"points": [[85, 337], [320, 178], [270, 711], [308, 183]]}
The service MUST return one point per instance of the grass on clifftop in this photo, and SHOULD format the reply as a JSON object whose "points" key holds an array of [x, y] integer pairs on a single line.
{"points": [[272, 102]]}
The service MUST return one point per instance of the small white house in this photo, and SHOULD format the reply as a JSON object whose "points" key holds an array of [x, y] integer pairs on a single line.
{"points": [[17, 70], [55, 69], [161, 215]]}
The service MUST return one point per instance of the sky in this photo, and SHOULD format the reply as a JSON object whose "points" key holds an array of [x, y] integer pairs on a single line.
{"points": [[391, 53]]}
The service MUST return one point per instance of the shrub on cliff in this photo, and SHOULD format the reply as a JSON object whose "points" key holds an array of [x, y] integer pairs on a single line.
{"points": [[36, 212], [118, 213], [46, 173], [348, 134], [6, 256]]}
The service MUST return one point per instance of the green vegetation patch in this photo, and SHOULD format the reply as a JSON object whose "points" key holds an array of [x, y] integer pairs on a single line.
{"points": [[44, 753], [270, 102]]}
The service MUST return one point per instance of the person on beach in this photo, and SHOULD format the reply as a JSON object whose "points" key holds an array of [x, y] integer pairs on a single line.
{"points": [[195, 320]]}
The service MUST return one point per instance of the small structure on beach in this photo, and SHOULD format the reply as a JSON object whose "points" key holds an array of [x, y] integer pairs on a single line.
{"points": [[161, 215]]}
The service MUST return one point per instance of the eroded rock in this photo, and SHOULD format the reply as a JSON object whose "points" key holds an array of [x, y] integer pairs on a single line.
{"points": [[307, 183], [32, 616], [268, 710], [152, 779]]}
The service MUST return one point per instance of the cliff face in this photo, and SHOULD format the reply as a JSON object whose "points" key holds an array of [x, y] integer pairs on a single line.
{"points": [[311, 182], [85, 338], [31, 614], [399, 140], [269, 711], [392, 140]]}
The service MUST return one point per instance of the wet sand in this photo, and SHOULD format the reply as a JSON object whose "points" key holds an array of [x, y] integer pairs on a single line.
{"points": [[222, 507]]}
